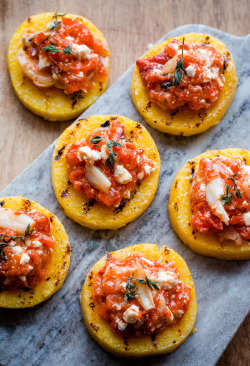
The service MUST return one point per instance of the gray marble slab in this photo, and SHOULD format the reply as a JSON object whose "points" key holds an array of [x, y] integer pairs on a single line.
{"points": [[53, 333]]}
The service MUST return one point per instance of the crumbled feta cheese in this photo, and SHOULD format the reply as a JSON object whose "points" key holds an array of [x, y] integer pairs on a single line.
{"points": [[214, 191], [81, 51], [71, 39], [104, 153], [178, 313], [29, 269], [24, 258], [148, 169], [131, 315], [44, 61], [140, 175], [17, 249], [27, 39], [22, 278], [89, 155], [121, 325], [167, 280], [122, 175], [190, 70], [35, 243], [157, 71], [246, 218], [205, 55]]}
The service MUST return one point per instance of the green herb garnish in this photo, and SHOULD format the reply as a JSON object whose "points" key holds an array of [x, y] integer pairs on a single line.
{"points": [[51, 49], [68, 50], [4, 243], [110, 144], [131, 289], [180, 69], [227, 198], [55, 25], [236, 188], [77, 95], [56, 15]]}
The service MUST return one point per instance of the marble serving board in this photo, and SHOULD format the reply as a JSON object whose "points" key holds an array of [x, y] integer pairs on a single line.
{"points": [[53, 333]]}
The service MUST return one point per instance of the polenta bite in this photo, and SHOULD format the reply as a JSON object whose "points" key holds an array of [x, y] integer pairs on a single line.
{"points": [[139, 301], [105, 171], [58, 64], [209, 204], [184, 85], [34, 253]]}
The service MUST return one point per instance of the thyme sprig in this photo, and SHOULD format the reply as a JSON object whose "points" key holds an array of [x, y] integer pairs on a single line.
{"points": [[4, 243], [51, 48], [110, 144], [180, 68], [227, 198], [55, 25], [56, 15], [68, 50], [131, 287]]}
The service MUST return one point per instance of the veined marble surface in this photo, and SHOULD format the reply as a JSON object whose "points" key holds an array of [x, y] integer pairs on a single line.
{"points": [[53, 333]]}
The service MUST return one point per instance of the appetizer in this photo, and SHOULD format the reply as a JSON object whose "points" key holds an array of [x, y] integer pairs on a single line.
{"points": [[34, 253], [105, 171], [139, 301], [184, 85], [209, 204], [58, 64]]}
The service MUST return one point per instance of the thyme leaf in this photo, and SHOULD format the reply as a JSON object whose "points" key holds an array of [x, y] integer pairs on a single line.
{"points": [[180, 69], [110, 144], [4, 242], [131, 289], [152, 284], [55, 25], [236, 188], [56, 15], [227, 198], [68, 50], [51, 49], [77, 95]]}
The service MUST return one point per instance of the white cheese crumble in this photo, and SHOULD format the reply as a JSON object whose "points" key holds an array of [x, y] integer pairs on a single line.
{"points": [[87, 154], [131, 315], [205, 55], [122, 175], [81, 51], [140, 175], [44, 61], [246, 218], [148, 169], [190, 70], [24, 258], [121, 325], [17, 249], [167, 280], [214, 191], [27, 39]]}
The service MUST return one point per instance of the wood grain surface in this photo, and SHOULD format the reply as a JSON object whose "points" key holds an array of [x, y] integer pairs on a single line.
{"points": [[128, 25]]}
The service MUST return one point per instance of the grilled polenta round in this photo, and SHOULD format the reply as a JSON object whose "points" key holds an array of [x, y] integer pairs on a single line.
{"points": [[180, 211], [136, 347], [95, 215], [184, 121], [51, 103], [58, 267]]}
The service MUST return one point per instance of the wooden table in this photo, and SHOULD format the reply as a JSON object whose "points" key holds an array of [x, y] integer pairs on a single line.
{"points": [[129, 25]]}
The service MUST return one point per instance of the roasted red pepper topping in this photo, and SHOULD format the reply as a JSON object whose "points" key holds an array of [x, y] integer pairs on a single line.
{"points": [[202, 76], [220, 198], [114, 161]]}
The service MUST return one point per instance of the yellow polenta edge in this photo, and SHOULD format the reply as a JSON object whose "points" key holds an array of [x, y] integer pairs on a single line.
{"points": [[136, 347], [59, 263], [185, 121], [180, 211], [74, 204], [51, 103]]}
